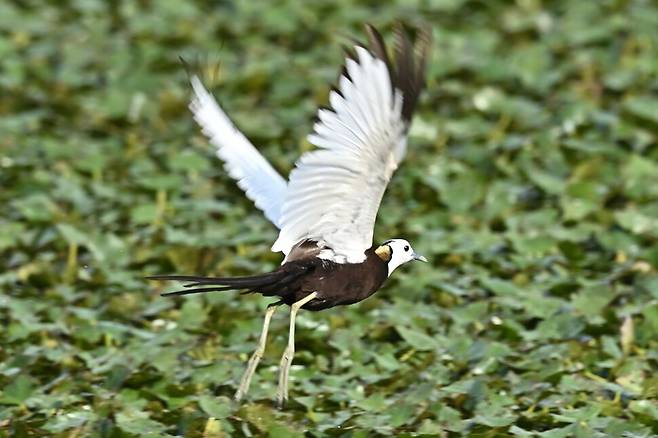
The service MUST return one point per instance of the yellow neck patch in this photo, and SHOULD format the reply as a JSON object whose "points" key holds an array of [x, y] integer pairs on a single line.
{"points": [[384, 252]]}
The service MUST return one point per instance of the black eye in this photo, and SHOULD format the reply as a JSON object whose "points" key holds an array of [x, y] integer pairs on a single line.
{"points": [[406, 247]]}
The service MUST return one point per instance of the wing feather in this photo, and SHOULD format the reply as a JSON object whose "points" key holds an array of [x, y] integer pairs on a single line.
{"points": [[334, 191], [253, 173]]}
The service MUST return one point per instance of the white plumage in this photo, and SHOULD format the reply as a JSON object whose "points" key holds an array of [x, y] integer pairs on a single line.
{"points": [[243, 162], [334, 192]]}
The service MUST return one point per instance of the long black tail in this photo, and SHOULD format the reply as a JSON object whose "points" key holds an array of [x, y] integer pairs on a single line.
{"points": [[200, 284]]}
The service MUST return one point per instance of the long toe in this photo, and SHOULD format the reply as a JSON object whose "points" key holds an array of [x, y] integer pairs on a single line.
{"points": [[284, 375], [282, 398]]}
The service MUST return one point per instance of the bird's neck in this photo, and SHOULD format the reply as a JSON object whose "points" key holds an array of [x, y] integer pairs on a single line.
{"points": [[376, 258]]}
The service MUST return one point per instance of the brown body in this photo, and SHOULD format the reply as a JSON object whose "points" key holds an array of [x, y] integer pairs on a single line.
{"points": [[303, 273], [336, 284]]}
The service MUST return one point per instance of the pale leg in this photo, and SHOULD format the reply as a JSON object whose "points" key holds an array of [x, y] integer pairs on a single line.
{"points": [[258, 354], [286, 359]]}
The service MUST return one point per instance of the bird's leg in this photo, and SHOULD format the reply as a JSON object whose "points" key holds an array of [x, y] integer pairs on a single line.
{"points": [[286, 359], [258, 354]]}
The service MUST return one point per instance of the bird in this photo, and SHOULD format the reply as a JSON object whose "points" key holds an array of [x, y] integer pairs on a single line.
{"points": [[326, 210]]}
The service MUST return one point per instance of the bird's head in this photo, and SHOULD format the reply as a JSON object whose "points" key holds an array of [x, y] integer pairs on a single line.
{"points": [[396, 252]]}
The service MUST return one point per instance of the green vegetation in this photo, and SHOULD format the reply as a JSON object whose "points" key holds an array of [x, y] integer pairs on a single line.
{"points": [[531, 184]]}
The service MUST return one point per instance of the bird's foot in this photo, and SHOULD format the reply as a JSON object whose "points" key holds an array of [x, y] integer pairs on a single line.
{"points": [[284, 375]]}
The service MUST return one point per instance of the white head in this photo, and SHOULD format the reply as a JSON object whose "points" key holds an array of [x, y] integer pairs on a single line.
{"points": [[396, 252]]}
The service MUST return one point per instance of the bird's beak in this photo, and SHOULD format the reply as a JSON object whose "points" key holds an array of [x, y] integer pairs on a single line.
{"points": [[419, 258]]}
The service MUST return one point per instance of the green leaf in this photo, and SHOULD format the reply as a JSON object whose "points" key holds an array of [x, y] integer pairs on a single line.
{"points": [[636, 222], [417, 339], [69, 420], [592, 301], [72, 234], [217, 407], [643, 106], [137, 422], [144, 214], [645, 407], [18, 391]]}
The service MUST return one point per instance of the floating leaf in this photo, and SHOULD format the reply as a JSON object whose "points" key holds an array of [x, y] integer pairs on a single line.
{"points": [[18, 391], [417, 339]]}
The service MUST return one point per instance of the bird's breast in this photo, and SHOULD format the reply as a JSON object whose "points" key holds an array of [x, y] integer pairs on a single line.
{"points": [[343, 283]]}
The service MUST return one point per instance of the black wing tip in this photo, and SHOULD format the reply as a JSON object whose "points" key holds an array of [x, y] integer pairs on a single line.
{"points": [[407, 71], [410, 64], [186, 66], [203, 67]]}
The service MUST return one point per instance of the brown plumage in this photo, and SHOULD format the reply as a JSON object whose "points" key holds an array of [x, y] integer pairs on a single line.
{"points": [[336, 284]]}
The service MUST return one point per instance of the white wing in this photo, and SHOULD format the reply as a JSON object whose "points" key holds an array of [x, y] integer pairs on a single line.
{"points": [[242, 161], [335, 191]]}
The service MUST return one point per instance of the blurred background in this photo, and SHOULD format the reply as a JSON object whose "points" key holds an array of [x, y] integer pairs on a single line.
{"points": [[531, 183]]}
